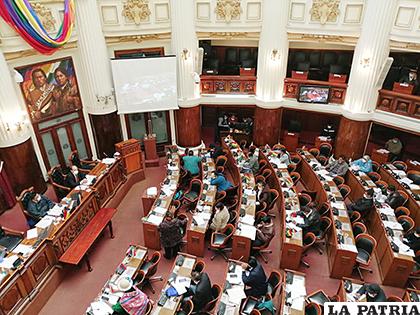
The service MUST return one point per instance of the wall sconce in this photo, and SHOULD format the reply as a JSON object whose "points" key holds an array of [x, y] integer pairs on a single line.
{"points": [[365, 62], [104, 100], [185, 54], [18, 124], [275, 55]]}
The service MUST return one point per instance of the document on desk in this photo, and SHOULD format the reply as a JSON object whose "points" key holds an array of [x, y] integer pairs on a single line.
{"points": [[101, 308], [342, 213], [32, 233], [349, 247], [151, 191], [414, 187], [44, 222], [338, 205], [23, 249], [236, 294], [406, 180], [393, 225], [56, 211], [160, 210], [404, 249], [248, 219], [387, 211], [108, 161], [248, 231], [188, 263], [154, 219], [8, 261]]}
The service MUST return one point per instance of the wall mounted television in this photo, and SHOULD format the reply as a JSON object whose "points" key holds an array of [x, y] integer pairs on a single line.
{"points": [[313, 94]]}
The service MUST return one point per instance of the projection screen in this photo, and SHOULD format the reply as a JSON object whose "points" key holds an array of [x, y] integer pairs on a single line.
{"points": [[145, 84]]}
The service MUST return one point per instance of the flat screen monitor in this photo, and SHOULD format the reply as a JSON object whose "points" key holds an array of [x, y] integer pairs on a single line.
{"points": [[314, 94]]}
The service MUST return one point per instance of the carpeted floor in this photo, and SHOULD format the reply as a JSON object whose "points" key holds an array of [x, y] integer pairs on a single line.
{"points": [[80, 287]]}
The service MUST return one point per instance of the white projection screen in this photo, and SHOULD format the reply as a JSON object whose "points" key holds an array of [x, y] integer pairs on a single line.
{"points": [[145, 84]]}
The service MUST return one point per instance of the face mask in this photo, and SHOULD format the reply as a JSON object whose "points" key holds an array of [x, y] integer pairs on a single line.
{"points": [[395, 141], [75, 172], [364, 160]]}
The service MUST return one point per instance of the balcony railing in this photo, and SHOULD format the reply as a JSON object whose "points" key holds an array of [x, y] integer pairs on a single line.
{"points": [[337, 90], [226, 84], [398, 103]]}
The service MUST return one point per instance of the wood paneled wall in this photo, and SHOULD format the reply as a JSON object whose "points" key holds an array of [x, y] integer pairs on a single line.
{"points": [[267, 126], [188, 126], [351, 138], [107, 132]]}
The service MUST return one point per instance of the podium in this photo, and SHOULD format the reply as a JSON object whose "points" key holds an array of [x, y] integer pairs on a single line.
{"points": [[291, 141], [403, 88], [147, 201], [130, 151], [300, 75], [337, 78], [379, 156], [152, 159]]}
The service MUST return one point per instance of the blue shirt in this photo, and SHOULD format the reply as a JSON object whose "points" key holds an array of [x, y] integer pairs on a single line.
{"points": [[365, 167], [191, 164], [221, 182]]}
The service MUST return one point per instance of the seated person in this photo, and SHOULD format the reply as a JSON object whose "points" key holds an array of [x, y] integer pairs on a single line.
{"points": [[364, 204], [220, 181], [200, 290], [82, 164], [262, 194], [170, 234], [38, 205], [9, 238], [373, 292], [215, 151], [328, 131], [312, 219], [411, 78], [413, 239], [192, 163], [394, 198], [394, 146], [338, 167], [265, 231], [253, 276], [253, 163], [364, 164], [284, 157], [74, 178], [220, 218]]}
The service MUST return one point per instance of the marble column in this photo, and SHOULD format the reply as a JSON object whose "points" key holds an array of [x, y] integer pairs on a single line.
{"points": [[371, 51], [99, 99], [273, 52], [16, 147], [184, 46]]}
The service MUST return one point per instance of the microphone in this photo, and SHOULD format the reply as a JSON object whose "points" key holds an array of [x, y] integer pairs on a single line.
{"points": [[106, 155]]}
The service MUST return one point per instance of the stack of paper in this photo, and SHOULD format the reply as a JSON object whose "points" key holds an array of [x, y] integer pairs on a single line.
{"points": [[25, 250], [154, 219], [44, 222], [32, 233], [108, 161], [248, 219], [236, 294], [151, 191], [7, 262], [248, 231]]}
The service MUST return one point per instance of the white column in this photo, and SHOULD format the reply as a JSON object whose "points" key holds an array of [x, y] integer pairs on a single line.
{"points": [[94, 56], [14, 121], [184, 46], [371, 51], [272, 54]]}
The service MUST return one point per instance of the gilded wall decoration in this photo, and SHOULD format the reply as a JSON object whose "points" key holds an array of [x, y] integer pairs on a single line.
{"points": [[325, 10], [228, 9], [45, 16], [136, 11]]}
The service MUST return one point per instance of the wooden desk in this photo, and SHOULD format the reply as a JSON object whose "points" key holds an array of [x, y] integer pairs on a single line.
{"points": [[196, 234], [232, 267], [380, 157], [147, 202], [341, 257], [291, 141], [394, 267], [403, 88], [291, 247], [349, 296], [298, 283], [172, 304], [241, 243], [412, 166], [134, 258], [412, 204], [162, 203], [408, 292]]}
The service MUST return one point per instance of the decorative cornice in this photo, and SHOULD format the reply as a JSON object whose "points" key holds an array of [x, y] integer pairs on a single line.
{"points": [[32, 52], [228, 10], [136, 38], [228, 35], [405, 45], [322, 38], [325, 11], [45, 15], [136, 11]]}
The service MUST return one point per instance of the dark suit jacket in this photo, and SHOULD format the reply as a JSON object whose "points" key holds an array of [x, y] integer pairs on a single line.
{"points": [[264, 196], [381, 297], [202, 293], [312, 223], [362, 205], [257, 280], [72, 181], [395, 200], [413, 241]]}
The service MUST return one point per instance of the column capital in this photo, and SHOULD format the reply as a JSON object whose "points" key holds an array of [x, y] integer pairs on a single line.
{"points": [[272, 104]]}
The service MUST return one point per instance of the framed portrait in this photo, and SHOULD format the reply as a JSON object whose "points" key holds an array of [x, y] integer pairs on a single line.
{"points": [[50, 89]]}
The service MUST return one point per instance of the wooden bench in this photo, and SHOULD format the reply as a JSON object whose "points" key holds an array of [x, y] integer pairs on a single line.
{"points": [[80, 246]]}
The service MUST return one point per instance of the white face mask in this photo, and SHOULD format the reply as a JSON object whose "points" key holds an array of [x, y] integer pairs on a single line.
{"points": [[75, 172]]}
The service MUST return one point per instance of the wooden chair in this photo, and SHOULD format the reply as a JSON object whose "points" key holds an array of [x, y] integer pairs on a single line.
{"points": [[401, 211], [304, 200], [318, 297], [191, 196], [321, 236], [260, 178], [376, 166], [394, 298], [311, 193], [314, 152], [274, 195], [149, 308], [338, 180], [83, 165], [150, 268], [355, 217], [313, 309], [344, 191], [274, 282], [199, 266], [296, 159], [365, 245], [23, 200], [219, 241], [232, 204], [291, 167], [325, 149], [324, 209], [308, 241], [220, 169], [374, 176], [278, 146], [400, 165], [263, 250], [358, 228], [407, 223], [295, 177], [381, 184], [185, 308], [404, 195], [220, 196], [232, 192], [216, 292], [221, 160], [323, 160], [58, 180], [267, 173], [243, 144], [414, 176], [233, 217], [262, 165]]}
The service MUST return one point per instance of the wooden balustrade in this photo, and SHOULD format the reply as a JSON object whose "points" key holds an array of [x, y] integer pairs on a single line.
{"points": [[337, 90], [398, 103], [228, 84]]}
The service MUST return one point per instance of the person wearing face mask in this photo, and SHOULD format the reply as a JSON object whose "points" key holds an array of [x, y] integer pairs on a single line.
{"points": [[394, 146], [411, 78], [364, 164], [38, 205], [394, 198], [364, 204], [220, 218], [328, 131], [200, 290], [262, 194], [74, 177], [265, 231], [338, 167], [373, 292], [413, 239]]}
